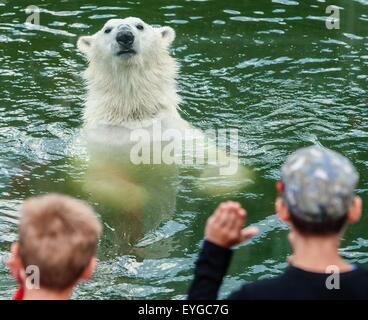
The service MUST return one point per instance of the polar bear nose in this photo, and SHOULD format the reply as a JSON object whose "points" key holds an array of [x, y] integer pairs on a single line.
{"points": [[125, 38]]}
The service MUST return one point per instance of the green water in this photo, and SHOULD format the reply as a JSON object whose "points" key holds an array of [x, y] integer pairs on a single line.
{"points": [[268, 68]]}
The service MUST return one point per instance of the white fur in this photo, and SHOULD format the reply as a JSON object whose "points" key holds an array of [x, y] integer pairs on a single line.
{"points": [[128, 90]]}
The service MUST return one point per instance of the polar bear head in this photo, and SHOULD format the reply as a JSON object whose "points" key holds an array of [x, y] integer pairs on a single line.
{"points": [[129, 39], [131, 75]]}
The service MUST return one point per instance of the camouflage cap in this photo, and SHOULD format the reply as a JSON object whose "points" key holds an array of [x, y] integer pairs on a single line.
{"points": [[318, 184]]}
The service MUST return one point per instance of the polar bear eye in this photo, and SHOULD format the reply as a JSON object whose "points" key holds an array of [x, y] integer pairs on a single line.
{"points": [[139, 27], [108, 30]]}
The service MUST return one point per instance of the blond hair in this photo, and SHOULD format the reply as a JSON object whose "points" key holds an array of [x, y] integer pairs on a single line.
{"points": [[59, 235]]}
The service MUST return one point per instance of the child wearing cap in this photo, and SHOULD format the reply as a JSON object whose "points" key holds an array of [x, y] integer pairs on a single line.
{"points": [[316, 198], [58, 238]]}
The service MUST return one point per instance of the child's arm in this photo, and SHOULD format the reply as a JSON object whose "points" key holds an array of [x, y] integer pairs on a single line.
{"points": [[223, 230], [210, 270]]}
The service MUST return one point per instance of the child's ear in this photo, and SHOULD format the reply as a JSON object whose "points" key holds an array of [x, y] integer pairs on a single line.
{"points": [[14, 249], [168, 34], [87, 273], [355, 211], [84, 44], [282, 210], [14, 263]]}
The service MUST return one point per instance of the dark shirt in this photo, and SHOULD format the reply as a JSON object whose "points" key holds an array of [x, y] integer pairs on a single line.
{"points": [[294, 283]]}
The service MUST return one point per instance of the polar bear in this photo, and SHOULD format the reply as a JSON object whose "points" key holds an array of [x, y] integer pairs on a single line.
{"points": [[131, 83], [131, 76]]}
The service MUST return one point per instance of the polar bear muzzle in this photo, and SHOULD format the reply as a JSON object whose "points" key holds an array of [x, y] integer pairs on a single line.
{"points": [[125, 39]]}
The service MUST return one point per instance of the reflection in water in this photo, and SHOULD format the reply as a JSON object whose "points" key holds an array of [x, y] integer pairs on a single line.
{"points": [[267, 68]]}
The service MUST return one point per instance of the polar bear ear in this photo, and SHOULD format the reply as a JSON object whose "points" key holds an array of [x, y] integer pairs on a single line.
{"points": [[84, 44], [168, 34]]}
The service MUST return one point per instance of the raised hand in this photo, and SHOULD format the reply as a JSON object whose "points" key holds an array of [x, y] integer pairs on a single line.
{"points": [[224, 227]]}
